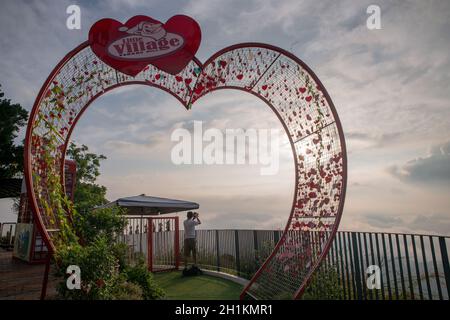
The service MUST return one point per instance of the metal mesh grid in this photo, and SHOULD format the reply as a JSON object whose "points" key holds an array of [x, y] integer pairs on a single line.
{"points": [[206, 248], [135, 237], [296, 97], [164, 250], [236, 68], [303, 108], [275, 76]]}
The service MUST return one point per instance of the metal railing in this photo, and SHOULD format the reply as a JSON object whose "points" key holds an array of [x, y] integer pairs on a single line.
{"points": [[409, 266], [402, 266], [396, 266]]}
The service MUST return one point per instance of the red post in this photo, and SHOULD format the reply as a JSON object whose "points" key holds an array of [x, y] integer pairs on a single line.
{"points": [[45, 280], [150, 244], [177, 243]]}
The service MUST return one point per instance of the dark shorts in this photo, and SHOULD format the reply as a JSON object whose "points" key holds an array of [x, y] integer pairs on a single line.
{"points": [[189, 246]]}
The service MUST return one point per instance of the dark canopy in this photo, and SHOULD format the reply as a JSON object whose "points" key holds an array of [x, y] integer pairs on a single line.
{"points": [[10, 188], [147, 205]]}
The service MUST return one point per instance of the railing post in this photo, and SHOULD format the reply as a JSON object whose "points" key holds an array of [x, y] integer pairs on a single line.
{"points": [[445, 263], [45, 279], [255, 244], [357, 267], [218, 250], [236, 244], [276, 237], [140, 234], [177, 243], [149, 244]]}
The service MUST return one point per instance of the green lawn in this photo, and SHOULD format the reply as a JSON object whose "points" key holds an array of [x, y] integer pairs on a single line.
{"points": [[197, 287]]}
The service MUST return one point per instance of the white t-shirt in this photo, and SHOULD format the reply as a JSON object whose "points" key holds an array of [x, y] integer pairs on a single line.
{"points": [[189, 228]]}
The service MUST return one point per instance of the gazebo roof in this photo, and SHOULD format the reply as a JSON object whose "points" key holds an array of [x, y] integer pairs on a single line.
{"points": [[148, 205]]}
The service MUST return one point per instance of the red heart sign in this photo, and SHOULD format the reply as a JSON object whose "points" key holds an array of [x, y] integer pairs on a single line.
{"points": [[130, 47]]}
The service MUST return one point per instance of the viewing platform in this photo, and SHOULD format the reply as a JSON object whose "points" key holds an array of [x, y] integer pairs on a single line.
{"points": [[22, 281]]}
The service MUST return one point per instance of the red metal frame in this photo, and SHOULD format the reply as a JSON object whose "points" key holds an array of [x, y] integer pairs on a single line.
{"points": [[27, 149], [45, 279], [33, 247], [176, 248], [212, 61]]}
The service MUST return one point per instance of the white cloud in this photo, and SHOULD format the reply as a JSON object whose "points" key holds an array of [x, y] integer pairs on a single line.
{"points": [[432, 169], [390, 87]]}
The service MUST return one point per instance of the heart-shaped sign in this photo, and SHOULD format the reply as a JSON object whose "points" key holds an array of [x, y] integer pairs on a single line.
{"points": [[141, 41]]}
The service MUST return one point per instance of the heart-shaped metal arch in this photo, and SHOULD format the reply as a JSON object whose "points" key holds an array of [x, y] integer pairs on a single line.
{"points": [[277, 77]]}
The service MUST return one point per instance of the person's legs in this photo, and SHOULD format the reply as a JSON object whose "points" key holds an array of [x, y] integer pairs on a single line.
{"points": [[194, 251], [186, 252]]}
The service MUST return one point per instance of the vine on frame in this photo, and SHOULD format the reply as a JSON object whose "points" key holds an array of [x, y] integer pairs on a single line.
{"points": [[57, 209]]}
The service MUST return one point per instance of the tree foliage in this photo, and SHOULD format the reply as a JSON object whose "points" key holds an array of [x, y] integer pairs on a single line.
{"points": [[88, 193], [88, 163], [106, 222], [12, 117], [106, 270]]}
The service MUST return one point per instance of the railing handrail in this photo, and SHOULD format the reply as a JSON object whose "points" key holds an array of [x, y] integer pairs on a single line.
{"points": [[398, 233], [410, 266], [281, 229], [347, 231], [236, 229]]}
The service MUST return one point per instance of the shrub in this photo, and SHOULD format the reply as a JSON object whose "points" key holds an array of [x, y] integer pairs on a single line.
{"points": [[139, 274], [107, 222], [324, 285], [250, 266], [124, 290], [121, 252], [99, 269], [106, 272]]}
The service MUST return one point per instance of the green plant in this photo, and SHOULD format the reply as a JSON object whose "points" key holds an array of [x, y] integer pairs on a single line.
{"points": [[88, 194], [139, 274], [12, 117], [121, 251], [250, 266], [86, 237], [124, 290], [98, 265], [101, 260], [227, 260], [324, 285], [105, 270], [107, 222]]}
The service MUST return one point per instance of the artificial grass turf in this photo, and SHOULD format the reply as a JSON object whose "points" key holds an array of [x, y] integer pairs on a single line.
{"points": [[202, 287]]}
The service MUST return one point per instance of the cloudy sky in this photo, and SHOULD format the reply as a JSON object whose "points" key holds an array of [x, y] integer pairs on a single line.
{"points": [[390, 88]]}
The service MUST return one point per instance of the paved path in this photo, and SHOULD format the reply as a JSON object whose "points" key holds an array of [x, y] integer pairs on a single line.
{"points": [[19, 280]]}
